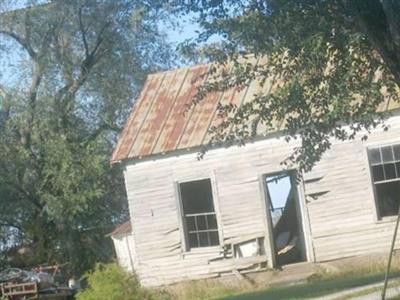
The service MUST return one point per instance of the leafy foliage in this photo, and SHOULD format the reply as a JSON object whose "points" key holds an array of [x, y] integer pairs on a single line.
{"points": [[111, 282], [75, 67], [331, 63]]}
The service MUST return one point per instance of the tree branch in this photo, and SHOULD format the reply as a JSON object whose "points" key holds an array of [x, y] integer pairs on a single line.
{"points": [[66, 94], [24, 193], [392, 12], [70, 89], [32, 96], [61, 51], [5, 106], [103, 127], [371, 17], [99, 38], [20, 41], [83, 32], [90, 60]]}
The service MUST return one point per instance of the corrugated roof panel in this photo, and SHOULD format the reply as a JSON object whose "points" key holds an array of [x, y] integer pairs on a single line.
{"points": [[268, 87], [137, 116], [178, 119], [159, 122], [157, 114], [202, 115], [235, 97], [198, 124], [232, 96], [254, 89]]}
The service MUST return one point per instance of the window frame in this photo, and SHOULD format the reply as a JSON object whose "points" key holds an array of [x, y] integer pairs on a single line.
{"points": [[185, 247], [380, 145]]}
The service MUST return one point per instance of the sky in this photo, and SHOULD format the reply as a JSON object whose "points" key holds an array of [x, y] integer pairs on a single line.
{"points": [[279, 191], [186, 30]]}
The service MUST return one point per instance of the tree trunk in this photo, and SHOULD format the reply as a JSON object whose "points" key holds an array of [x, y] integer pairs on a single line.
{"points": [[380, 21]]}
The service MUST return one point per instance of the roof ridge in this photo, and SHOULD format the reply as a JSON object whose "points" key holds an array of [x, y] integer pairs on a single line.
{"points": [[246, 56], [187, 68]]}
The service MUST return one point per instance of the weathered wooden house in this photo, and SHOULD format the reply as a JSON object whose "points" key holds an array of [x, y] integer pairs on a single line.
{"points": [[237, 209]]}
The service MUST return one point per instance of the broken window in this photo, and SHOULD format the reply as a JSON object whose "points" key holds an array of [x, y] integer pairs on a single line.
{"points": [[385, 173], [199, 214]]}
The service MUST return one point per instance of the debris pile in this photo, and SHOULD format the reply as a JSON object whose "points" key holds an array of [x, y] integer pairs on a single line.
{"points": [[40, 282]]}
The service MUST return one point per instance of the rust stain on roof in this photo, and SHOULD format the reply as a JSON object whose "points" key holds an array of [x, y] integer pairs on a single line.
{"points": [[125, 228], [175, 124], [159, 112], [138, 116], [159, 122]]}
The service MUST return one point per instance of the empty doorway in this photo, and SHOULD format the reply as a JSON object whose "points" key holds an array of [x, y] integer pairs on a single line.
{"points": [[283, 207]]}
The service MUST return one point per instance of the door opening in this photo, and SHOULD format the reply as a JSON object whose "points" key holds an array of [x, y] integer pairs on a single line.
{"points": [[282, 199]]}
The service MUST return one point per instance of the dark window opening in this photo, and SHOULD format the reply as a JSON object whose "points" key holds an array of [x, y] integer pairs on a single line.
{"points": [[199, 214], [385, 173]]}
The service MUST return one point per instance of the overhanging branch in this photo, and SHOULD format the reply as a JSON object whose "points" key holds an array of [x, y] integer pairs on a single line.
{"points": [[20, 41]]}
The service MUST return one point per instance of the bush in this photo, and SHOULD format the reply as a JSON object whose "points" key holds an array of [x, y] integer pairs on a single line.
{"points": [[111, 282]]}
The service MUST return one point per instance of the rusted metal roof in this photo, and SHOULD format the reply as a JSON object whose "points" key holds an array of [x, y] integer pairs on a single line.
{"points": [[159, 122], [125, 228]]}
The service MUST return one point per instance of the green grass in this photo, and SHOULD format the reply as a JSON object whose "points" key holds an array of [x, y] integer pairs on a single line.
{"points": [[205, 290], [313, 289], [327, 279]]}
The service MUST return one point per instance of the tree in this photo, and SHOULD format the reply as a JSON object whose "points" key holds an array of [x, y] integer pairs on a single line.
{"points": [[336, 62], [74, 66]]}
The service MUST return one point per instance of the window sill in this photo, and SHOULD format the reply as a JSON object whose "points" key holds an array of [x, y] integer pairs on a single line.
{"points": [[203, 250], [388, 219]]}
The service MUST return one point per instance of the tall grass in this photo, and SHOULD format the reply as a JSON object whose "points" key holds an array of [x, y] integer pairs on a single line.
{"points": [[329, 277], [207, 289], [111, 282], [356, 266]]}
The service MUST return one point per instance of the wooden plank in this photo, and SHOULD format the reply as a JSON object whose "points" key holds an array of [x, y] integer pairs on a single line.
{"points": [[20, 289]]}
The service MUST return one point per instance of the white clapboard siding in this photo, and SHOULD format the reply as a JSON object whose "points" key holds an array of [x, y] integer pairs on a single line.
{"points": [[338, 206], [344, 220], [124, 249]]}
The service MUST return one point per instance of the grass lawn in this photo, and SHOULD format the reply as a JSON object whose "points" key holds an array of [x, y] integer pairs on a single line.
{"points": [[314, 288], [328, 279]]}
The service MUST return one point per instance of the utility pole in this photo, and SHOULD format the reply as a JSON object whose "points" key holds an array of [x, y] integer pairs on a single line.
{"points": [[391, 255]]}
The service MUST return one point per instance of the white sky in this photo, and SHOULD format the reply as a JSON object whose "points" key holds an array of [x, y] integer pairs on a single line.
{"points": [[279, 191]]}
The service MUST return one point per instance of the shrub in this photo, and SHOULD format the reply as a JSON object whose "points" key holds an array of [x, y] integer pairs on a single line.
{"points": [[111, 282]]}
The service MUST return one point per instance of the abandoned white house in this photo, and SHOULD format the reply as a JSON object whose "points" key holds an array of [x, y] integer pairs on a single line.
{"points": [[237, 209]]}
